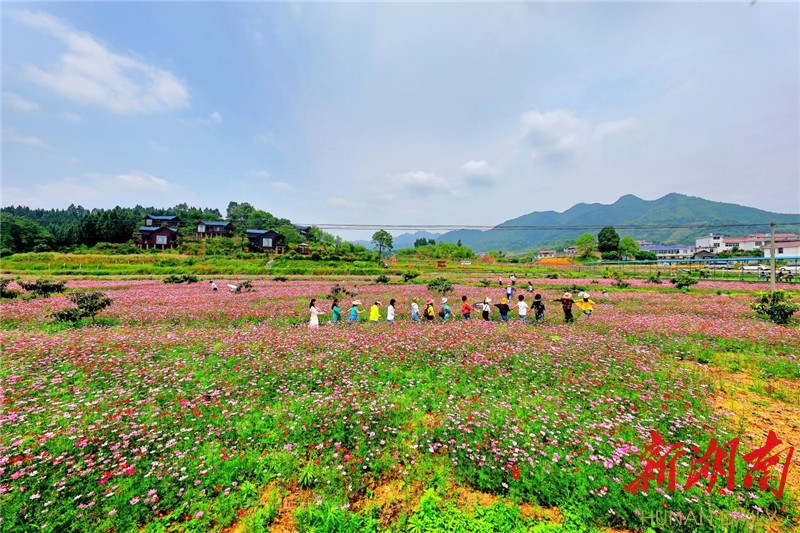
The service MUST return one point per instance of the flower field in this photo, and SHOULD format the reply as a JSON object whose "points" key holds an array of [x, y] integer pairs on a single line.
{"points": [[187, 410]]}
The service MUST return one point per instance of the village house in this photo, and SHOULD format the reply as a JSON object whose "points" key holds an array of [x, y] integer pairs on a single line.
{"points": [[161, 237], [260, 240], [213, 228], [784, 249], [672, 251], [156, 221]]}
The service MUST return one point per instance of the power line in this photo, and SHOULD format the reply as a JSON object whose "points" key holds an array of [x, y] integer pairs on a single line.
{"points": [[454, 227]]}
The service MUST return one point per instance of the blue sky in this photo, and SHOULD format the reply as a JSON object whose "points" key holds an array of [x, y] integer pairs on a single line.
{"points": [[415, 113]]}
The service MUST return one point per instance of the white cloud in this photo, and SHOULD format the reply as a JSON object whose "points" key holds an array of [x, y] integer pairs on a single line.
{"points": [[259, 172], [11, 136], [422, 182], [281, 186], [89, 73], [67, 115], [101, 190], [267, 139], [553, 134], [215, 117], [17, 102], [479, 173], [604, 129], [156, 147]]}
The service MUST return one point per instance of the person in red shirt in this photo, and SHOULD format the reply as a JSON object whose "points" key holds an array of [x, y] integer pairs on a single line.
{"points": [[465, 308]]}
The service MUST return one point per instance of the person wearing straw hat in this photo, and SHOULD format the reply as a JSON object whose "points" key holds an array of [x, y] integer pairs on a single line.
{"points": [[504, 309], [446, 313], [486, 308], [354, 311], [430, 312], [375, 311], [585, 304], [566, 306], [415, 309]]}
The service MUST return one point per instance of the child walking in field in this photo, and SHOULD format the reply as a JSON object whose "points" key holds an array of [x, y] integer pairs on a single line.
{"points": [[504, 309], [446, 312], [538, 308], [312, 308], [486, 309], [522, 308], [375, 311], [354, 311], [466, 309], [414, 310], [430, 312], [585, 304], [336, 313], [390, 312], [566, 305]]}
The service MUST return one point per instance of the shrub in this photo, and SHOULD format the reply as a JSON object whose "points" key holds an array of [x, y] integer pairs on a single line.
{"points": [[43, 288], [683, 281], [776, 306], [485, 282], [551, 276], [654, 279], [245, 286], [5, 292], [408, 276], [181, 278], [620, 283], [382, 279], [340, 291], [440, 285], [87, 305], [280, 278]]}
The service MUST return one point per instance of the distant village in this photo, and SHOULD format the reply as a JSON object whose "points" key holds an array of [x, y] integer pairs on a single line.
{"points": [[163, 232], [786, 245]]}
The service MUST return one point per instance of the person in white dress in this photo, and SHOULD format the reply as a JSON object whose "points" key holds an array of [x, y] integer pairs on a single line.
{"points": [[312, 308], [390, 311]]}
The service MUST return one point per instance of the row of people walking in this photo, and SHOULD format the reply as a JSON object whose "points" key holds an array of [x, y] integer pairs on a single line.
{"points": [[429, 314]]}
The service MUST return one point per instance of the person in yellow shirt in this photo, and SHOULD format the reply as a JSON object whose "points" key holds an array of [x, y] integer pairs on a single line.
{"points": [[585, 304], [375, 311]]}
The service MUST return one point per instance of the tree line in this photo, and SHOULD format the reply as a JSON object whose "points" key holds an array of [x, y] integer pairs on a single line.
{"points": [[25, 229]]}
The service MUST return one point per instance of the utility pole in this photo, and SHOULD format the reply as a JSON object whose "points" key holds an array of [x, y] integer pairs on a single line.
{"points": [[772, 256]]}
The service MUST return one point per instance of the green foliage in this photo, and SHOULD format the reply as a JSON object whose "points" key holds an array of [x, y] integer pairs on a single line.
{"points": [[87, 305], [776, 306], [244, 286], [181, 278], [610, 256], [620, 282], [382, 240], [440, 285], [42, 287], [608, 240], [645, 255], [408, 276], [423, 242], [442, 250], [586, 244], [340, 291], [280, 278], [683, 280], [383, 278], [20, 235], [628, 247], [551, 276], [485, 282]]}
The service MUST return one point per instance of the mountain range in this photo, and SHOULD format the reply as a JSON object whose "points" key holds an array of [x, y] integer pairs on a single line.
{"points": [[671, 219]]}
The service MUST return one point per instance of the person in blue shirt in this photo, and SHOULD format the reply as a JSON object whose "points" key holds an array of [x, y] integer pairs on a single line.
{"points": [[354, 311]]}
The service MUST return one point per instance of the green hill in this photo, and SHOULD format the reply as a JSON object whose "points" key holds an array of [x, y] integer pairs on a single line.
{"points": [[672, 219]]}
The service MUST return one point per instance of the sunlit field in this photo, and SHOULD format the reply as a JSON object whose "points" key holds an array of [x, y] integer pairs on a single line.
{"points": [[187, 410]]}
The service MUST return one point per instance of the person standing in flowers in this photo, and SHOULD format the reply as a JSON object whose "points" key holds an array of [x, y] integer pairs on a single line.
{"points": [[466, 309], [486, 309], [522, 308], [312, 308], [446, 313], [430, 312], [510, 293], [390, 312], [336, 312], [513, 279], [538, 308], [214, 287], [585, 304], [354, 311], [504, 309], [375, 311], [414, 310], [566, 306]]}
